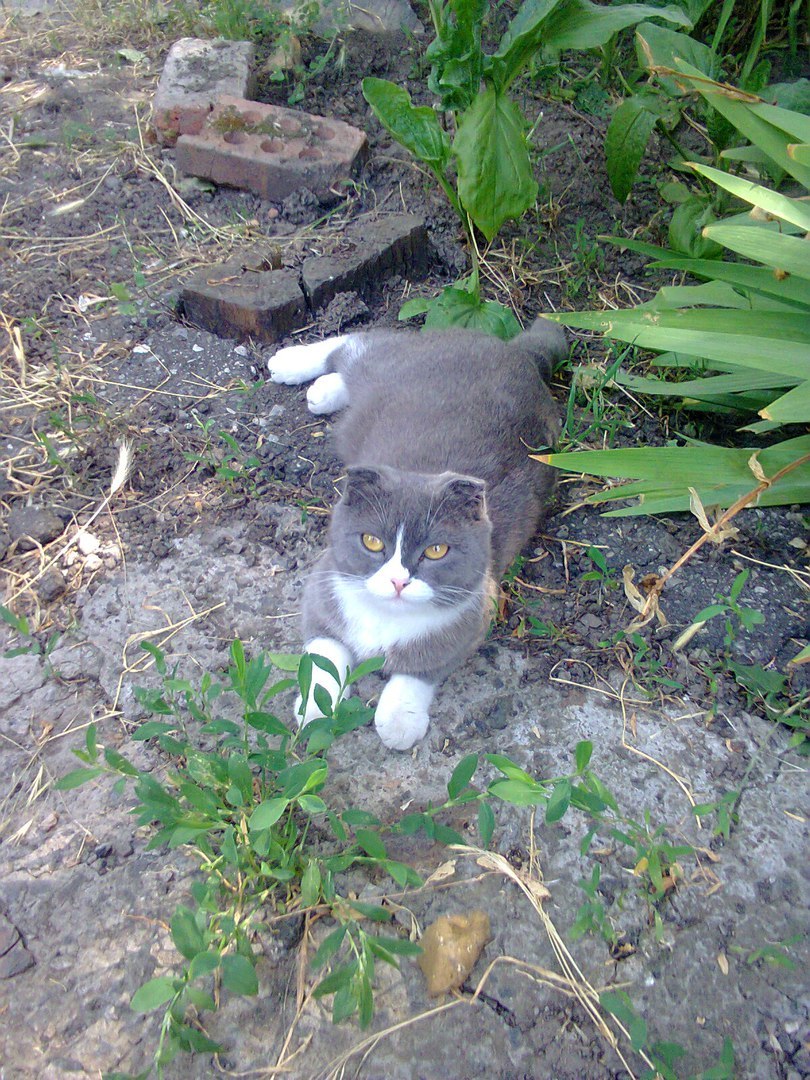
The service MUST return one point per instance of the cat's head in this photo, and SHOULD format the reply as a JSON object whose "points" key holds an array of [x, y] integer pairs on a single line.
{"points": [[412, 538]]}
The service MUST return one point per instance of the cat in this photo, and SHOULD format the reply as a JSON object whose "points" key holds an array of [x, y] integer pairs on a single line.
{"points": [[440, 496]]}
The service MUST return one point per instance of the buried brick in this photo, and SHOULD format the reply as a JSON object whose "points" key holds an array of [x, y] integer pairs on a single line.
{"points": [[248, 297], [195, 76], [390, 245], [270, 150]]}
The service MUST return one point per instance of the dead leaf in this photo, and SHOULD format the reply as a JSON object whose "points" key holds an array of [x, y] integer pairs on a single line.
{"points": [[717, 534], [722, 962]]}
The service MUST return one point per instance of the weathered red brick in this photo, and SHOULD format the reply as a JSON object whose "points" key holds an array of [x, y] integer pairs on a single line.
{"points": [[195, 75], [270, 150], [243, 299], [374, 249]]}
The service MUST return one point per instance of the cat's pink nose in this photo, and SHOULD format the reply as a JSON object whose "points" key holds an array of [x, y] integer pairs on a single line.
{"points": [[399, 584]]}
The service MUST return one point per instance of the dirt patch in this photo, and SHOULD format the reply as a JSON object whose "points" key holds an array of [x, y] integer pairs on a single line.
{"points": [[225, 507]]}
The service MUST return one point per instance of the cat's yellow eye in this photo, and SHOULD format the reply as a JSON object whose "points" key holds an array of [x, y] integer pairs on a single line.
{"points": [[372, 543], [436, 551]]}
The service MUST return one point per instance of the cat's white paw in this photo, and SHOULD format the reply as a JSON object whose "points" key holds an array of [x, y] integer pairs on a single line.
{"points": [[402, 716], [301, 363], [327, 394], [342, 660]]}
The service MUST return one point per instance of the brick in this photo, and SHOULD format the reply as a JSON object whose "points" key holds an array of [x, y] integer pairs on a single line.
{"points": [[394, 244], [270, 150], [248, 297], [236, 299], [195, 75]]}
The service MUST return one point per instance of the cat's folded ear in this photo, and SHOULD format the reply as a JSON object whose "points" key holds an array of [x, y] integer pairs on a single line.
{"points": [[463, 497], [361, 480]]}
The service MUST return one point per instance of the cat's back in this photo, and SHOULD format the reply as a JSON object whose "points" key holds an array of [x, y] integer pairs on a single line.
{"points": [[436, 400]]}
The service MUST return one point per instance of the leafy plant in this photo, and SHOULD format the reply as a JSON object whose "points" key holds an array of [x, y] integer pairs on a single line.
{"points": [[663, 1056], [748, 327], [22, 628], [485, 169]]}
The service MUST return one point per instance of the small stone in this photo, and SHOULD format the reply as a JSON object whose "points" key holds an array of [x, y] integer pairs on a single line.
{"points": [[88, 543], [51, 585], [32, 525], [93, 563]]}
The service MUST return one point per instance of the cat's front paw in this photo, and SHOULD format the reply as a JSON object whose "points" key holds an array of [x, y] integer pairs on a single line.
{"points": [[402, 716], [301, 363]]}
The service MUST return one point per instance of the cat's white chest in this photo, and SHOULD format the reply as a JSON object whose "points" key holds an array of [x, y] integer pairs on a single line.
{"points": [[374, 626]]}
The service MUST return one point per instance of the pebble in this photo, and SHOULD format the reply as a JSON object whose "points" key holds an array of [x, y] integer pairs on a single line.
{"points": [[51, 585], [32, 525], [88, 543]]}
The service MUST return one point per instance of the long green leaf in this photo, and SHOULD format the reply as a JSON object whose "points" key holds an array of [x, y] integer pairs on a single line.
{"points": [[663, 475], [790, 408], [785, 253], [495, 177], [741, 381], [690, 332], [792, 210], [796, 124], [748, 117]]}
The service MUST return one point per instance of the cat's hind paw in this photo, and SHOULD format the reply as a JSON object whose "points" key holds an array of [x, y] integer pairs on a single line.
{"points": [[402, 716], [327, 394], [301, 363]]}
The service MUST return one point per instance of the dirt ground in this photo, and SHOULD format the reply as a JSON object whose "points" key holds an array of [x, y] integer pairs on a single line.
{"points": [[203, 544]]}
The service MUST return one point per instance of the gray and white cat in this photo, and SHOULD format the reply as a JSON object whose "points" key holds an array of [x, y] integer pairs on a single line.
{"points": [[440, 496]]}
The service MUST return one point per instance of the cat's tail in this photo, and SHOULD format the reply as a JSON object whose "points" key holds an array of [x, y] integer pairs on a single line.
{"points": [[547, 342]]}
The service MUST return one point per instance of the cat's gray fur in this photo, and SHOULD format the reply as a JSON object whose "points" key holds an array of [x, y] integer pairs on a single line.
{"points": [[436, 437]]}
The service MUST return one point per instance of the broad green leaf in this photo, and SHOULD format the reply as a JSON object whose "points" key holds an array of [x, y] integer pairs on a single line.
{"points": [[375, 663], [776, 343], [186, 935], [311, 885], [267, 814], [793, 210], [457, 307], [559, 801], [462, 774], [77, 777], [582, 754], [203, 963], [153, 994], [340, 977], [285, 661], [580, 24], [495, 177], [524, 35], [518, 793], [658, 47], [398, 946], [486, 824], [328, 947], [266, 722], [754, 278], [371, 843], [239, 975], [418, 129], [627, 136], [370, 911]]}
